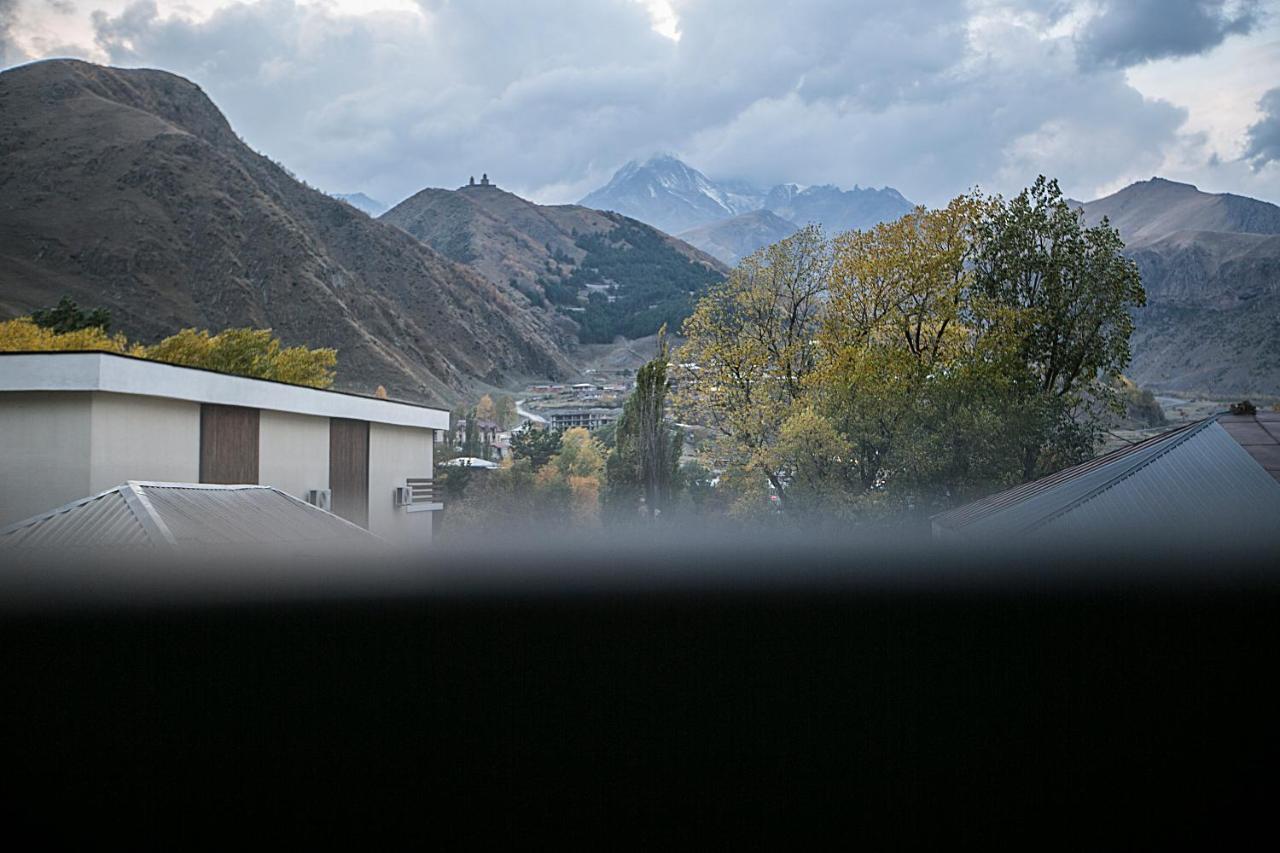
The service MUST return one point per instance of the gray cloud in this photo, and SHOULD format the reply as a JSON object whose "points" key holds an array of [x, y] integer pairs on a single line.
{"points": [[1128, 32], [929, 96], [1262, 143], [8, 50]]}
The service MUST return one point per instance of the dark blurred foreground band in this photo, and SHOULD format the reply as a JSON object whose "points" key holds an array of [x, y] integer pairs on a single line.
{"points": [[1116, 693]]}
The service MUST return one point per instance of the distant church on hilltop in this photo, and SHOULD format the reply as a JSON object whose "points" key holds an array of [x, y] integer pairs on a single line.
{"points": [[484, 181]]}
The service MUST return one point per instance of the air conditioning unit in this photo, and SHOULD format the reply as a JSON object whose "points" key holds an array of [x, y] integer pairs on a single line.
{"points": [[403, 496], [322, 498]]}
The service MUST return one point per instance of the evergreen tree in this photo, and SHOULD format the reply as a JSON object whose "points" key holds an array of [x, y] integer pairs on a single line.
{"points": [[646, 451], [471, 435], [536, 445], [66, 316]]}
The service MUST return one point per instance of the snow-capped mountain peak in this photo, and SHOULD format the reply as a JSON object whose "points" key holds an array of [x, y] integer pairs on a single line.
{"points": [[672, 195]]}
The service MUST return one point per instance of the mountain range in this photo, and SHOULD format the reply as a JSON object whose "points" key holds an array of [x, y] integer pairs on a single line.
{"points": [[1210, 263], [724, 218], [128, 189]]}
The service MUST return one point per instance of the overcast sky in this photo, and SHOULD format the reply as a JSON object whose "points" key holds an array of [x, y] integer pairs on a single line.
{"points": [[929, 96]]}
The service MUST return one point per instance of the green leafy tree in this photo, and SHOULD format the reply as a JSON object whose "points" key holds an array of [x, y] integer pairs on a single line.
{"points": [[66, 317], [914, 364], [1070, 293], [536, 445], [646, 451], [471, 435]]}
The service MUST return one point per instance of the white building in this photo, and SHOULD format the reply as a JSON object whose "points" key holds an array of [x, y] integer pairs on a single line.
{"points": [[76, 424]]}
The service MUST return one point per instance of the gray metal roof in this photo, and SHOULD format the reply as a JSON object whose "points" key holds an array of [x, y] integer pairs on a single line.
{"points": [[1192, 480], [183, 514]]}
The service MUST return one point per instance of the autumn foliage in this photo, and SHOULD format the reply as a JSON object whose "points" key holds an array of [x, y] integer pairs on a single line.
{"points": [[243, 352]]}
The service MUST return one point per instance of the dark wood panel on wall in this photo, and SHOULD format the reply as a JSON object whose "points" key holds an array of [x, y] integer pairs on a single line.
{"points": [[349, 469], [228, 444]]}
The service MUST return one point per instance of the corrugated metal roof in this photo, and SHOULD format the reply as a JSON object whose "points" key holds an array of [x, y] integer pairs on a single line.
{"points": [[1195, 478], [183, 514], [107, 519]]}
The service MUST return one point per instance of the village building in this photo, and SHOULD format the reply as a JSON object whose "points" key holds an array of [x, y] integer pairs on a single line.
{"points": [[562, 419], [77, 424]]}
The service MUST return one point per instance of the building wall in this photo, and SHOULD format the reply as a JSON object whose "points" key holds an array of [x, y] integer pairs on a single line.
{"points": [[58, 447], [44, 455], [142, 438], [396, 453], [293, 452]]}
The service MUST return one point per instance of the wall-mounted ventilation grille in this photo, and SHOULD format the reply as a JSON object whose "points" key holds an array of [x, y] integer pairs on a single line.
{"points": [[419, 493]]}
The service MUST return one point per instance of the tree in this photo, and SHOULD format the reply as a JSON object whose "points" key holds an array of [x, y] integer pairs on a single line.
{"points": [[519, 496], [1069, 292], [646, 451], [243, 352], [485, 410], [504, 412], [580, 454], [908, 379], [66, 316], [247, 352], [22, 334], [536, 445], [580, 464], [751, 347], [471, 443], [916, 363]]}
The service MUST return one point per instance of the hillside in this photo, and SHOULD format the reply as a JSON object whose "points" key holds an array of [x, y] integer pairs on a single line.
{"points": [[596, 275], [1210, 264], [1152, 210], [128, 189], [733, 239]]}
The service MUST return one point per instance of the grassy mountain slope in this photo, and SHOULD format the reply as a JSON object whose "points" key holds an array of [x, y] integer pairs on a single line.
{"points": [[128, 189], [595, 274]]}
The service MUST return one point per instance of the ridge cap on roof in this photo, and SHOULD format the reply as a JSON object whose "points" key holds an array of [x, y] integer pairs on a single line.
{"points": [[137, 501], [67, 507], [166, 484]]}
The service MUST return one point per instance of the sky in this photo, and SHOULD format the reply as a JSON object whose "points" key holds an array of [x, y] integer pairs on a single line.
{"points": [[931, 97]]}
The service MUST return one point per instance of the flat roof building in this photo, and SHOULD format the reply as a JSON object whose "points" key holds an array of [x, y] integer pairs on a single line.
{"points": [[76, 424], [562, 419]]}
